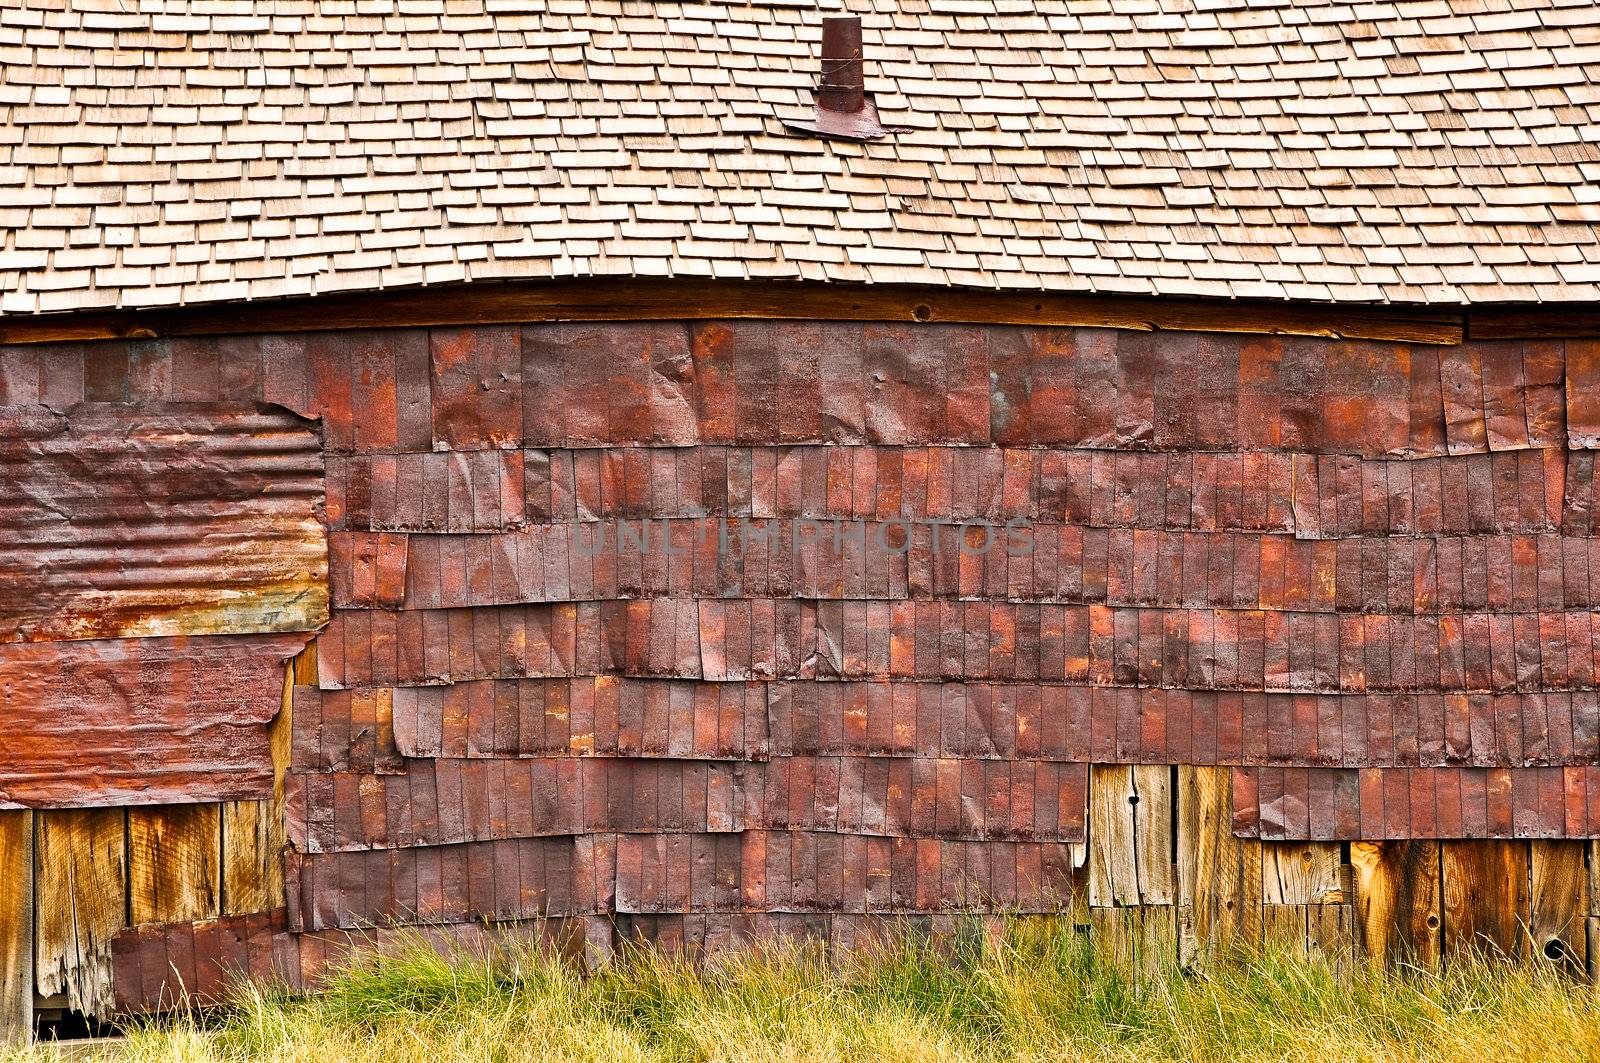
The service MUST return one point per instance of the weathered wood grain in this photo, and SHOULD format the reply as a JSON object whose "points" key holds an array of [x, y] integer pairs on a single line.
{"points": [[645, 300], [1485, 896], [253, 835], [1558, 902], [251, 871], [1139, 940], [174, 863], [81, 892], [1332, 931], [1398, 902], [16, 927], [1130, 837], [1219, 875], [1300, 873]]}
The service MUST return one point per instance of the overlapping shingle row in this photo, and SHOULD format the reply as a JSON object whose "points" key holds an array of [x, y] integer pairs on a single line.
{"points": [[1418, 151]]}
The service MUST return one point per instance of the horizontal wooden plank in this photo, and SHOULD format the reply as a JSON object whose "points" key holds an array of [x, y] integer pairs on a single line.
{"points": [[1516, 321], [638, 300]]}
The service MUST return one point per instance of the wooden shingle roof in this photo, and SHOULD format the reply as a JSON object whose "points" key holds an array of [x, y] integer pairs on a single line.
{"points": [[158, 152]]}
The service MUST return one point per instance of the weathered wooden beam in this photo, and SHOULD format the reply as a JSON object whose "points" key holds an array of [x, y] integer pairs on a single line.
{"points": [[1529, 321], [1140, 940], [1130, 836], [253, 833], [174, 863], [81, 876], [1558, 902], [16, 927], [1219, 875], [599, 299], [1485, 896], [1398, 900], [1301, 873]]}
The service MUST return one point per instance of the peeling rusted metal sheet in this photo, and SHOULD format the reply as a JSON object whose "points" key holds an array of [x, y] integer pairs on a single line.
{"points": [[139, 721], [156, 520]]}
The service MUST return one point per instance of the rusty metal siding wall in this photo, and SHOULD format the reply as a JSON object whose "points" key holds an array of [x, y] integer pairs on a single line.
{"points": [[1358, 574]]}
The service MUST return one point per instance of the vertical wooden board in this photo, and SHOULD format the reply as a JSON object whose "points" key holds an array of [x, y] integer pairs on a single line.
{"points": [[1130, 835], [1219, 875], [1300, 873], [16, 927], [1485, 896], [251, 864], [1141, 940], [1284, 926], [1331, 930], [1558, 901], [174, 865], [80, 896], [1398, 902], [304, 667], [1594, 948], [253, 834], [1594, 877]]}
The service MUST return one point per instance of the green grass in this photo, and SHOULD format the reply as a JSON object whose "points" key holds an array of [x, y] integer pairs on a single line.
{"points": [[1041, 992]]}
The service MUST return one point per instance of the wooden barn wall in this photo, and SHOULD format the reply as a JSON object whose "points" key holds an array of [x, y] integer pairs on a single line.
{"points": [[687, 632]]}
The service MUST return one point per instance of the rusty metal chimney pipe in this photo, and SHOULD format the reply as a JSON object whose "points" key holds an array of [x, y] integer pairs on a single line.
{"points": [[843, 87]]}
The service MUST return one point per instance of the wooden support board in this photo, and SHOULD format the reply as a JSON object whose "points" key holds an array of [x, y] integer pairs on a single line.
{"points": [[1130, 836], [1398, 900], [1558, 902], [1140, 940], [589, 299], [81, 893], [1485, 887], [1219, 875], [1301, 873], [174, 863], [253, 835], [16, 927]]}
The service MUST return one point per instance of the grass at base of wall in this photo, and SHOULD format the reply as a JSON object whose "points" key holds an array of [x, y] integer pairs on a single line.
{"points": [[1040, 992]]}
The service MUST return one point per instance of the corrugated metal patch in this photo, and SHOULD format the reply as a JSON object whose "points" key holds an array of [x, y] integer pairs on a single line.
{"points": [[139, 721], [168, 519]]}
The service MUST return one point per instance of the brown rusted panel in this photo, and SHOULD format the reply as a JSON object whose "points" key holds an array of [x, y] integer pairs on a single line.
{"points": [[585, 716], [525, 878], [159, 520], [162, 967], [140, 721], [866, 560], [344, 730], [476, 387], [1583, 393], [470, 491], [443, 802]]}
